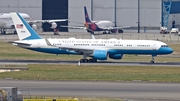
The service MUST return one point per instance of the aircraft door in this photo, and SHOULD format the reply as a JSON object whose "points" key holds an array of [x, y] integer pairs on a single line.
{"points": [[38, 45], [154, 46]]}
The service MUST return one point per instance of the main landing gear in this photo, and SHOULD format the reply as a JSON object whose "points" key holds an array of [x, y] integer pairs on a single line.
{"points": [[109, 32], [87, 60], [152, 61], [92, 32], [3, 31]]}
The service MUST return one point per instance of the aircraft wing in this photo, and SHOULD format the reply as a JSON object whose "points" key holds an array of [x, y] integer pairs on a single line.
{"points": [[111, 28], [78, 27], [74, 27], [122, 27], [78, 50], [49, 21]]}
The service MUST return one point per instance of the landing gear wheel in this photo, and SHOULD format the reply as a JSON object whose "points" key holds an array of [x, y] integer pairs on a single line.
{"points": [[152, 61], [90, 60], [85, 60], [104, 32], [82, 60], [94, 60]]}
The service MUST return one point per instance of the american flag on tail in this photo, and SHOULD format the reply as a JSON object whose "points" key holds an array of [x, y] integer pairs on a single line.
{"points": [[19, 25]]}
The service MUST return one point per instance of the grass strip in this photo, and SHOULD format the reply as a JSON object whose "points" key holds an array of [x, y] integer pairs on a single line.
{"points": [[96, 73]]}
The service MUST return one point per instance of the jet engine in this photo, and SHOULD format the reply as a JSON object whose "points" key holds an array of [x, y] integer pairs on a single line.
{"points": [[34, 26], [113, 30], [53, 25], [116, 56], [100, 54], [120, 31]]}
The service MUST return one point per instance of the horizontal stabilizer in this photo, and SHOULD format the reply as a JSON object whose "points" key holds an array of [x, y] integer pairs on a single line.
{"points": [[20, 44]]}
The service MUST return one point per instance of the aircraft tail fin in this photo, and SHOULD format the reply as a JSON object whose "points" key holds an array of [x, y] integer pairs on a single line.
{"points": [[24, 30], [87, 20]]}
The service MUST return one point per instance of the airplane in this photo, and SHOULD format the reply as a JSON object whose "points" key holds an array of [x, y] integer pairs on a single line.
{"points": [[102, 25], [6, 22], [101, 49], [98, 49], [29, 39]]}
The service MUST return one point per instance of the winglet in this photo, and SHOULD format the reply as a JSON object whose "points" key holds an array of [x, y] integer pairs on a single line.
{"points": [[24, 30]]}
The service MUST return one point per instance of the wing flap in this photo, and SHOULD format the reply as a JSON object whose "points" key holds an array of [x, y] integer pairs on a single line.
{"points": [[116, 28]]}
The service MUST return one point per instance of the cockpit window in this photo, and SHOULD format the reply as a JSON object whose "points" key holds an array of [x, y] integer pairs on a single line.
{"points": [[164, 46]]}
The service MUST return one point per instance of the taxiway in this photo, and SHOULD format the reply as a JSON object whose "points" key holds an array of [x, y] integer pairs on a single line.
{"points": [[130, 90]]}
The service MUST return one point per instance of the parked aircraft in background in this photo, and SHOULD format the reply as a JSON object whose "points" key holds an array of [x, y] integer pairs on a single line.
{"points": [[102, 25], [98, 49], [29, 39], [6, 21]]}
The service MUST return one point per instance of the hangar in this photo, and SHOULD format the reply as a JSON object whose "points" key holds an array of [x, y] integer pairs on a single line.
{"points": [[121, 12], [174, 17]]}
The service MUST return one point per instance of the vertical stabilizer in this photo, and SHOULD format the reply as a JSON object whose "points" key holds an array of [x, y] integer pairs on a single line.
{"points": [[24, 30], [87, 20]]}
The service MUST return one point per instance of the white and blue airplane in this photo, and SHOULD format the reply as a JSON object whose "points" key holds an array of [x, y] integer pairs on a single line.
{"points": [[98, 49]]}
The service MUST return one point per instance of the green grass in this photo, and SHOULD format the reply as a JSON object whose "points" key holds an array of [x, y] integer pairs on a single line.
{"points": [[71, 98], [96, 73]]}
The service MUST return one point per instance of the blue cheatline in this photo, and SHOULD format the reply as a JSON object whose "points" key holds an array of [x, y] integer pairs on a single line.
{"points": [[160, 51]]}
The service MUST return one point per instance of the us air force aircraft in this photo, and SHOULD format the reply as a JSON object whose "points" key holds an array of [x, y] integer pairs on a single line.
{"points": [[6, 21], [102, 25], [98, 49]]}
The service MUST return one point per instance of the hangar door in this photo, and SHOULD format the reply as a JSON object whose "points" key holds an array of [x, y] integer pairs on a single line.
{"points": [[54, 9]]}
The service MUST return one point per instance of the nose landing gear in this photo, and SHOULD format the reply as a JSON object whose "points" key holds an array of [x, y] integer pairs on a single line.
{"points": [[152, 61]]}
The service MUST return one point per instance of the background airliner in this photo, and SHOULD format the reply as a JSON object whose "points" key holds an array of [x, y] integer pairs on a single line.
{"points": [[101, 25], [6, 21], [98, 49]]}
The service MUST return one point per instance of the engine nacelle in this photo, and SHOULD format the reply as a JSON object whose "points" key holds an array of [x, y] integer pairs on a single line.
{"points": [[120, 31], [34, 26], [100, 54], [113, 30], [116, 56], [53, 25]]}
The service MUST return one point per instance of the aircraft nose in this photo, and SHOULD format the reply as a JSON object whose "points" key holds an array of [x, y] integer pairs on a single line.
{"points": [[169, 50]]}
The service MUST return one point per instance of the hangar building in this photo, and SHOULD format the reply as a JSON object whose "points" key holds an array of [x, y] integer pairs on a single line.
{"points": [[150, 12]]}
